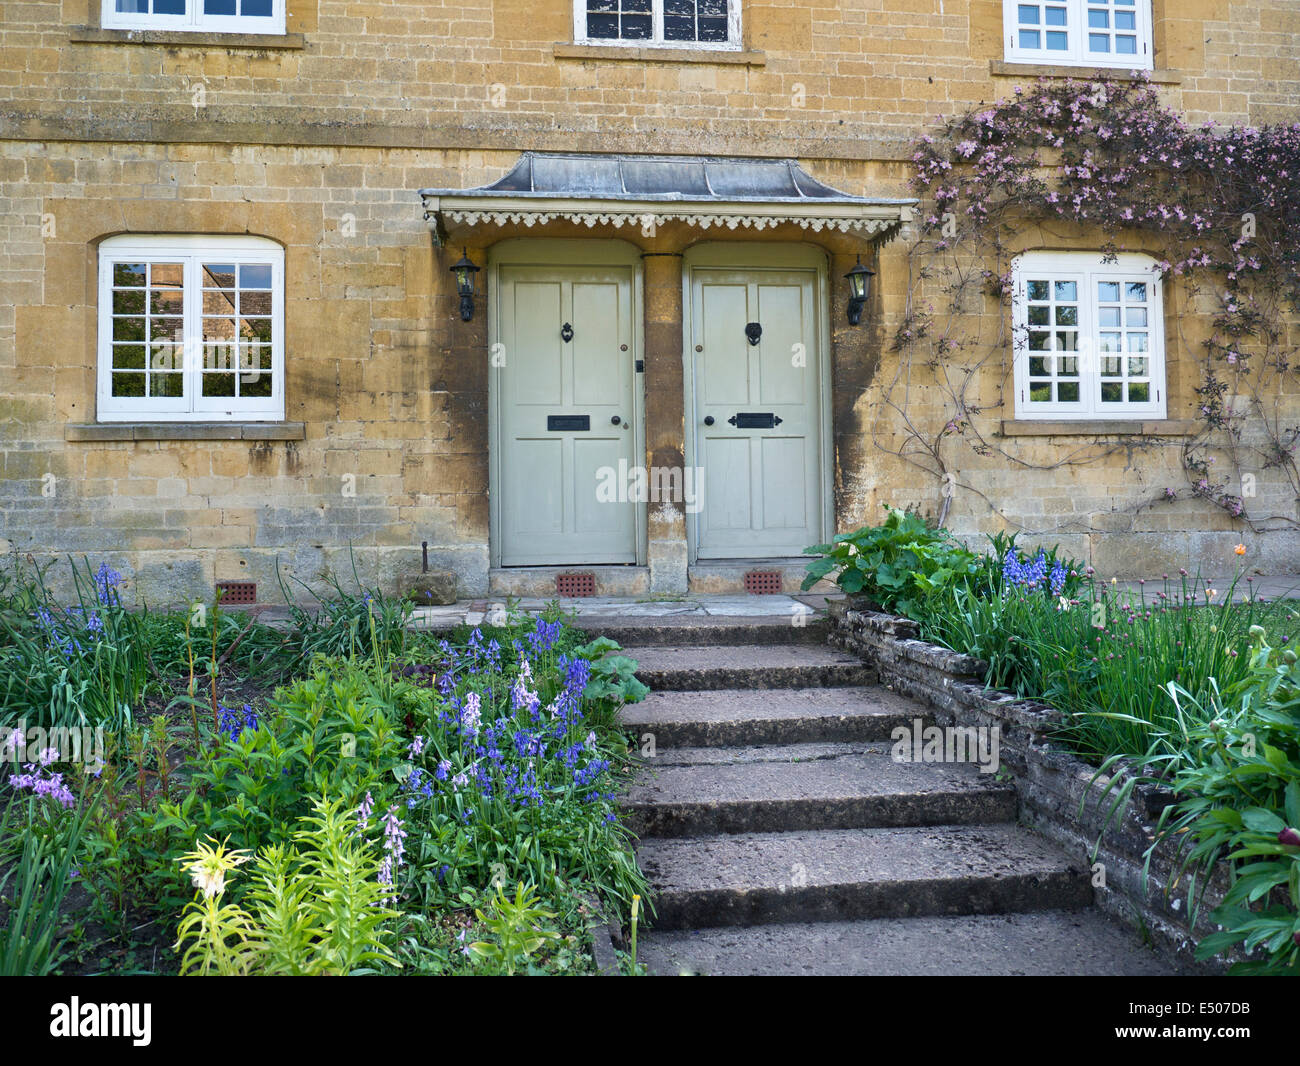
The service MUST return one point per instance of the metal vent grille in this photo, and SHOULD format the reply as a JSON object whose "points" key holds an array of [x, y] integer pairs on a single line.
{"points": [[763, 582], [235, 592], [575, 584]]}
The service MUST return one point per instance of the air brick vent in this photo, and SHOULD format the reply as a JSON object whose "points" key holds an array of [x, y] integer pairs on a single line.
{"points": [[763, 582], [575, 584], [237, 592]]}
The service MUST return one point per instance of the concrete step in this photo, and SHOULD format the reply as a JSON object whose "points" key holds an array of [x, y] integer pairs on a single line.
{"points": [[840, 874], [761, 666], [724, 631], [1056, 943], [739, 717], [705, 791]]}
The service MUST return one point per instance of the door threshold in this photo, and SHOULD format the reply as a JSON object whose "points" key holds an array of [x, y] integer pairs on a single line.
{"points": [[612, 579]]}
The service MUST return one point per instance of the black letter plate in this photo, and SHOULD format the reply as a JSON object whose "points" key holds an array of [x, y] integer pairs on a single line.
{"points": [[567, 423], [755, 420]]}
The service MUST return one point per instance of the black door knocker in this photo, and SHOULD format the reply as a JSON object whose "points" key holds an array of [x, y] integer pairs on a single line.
{"points": [[566, 333], [754, 332]]}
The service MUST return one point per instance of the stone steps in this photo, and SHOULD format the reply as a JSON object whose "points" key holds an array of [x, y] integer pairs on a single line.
{"points": [[719, 631], [755, 666], [742, 717], [700, 791], [779, 836], [1049, 943], [835, 874]]}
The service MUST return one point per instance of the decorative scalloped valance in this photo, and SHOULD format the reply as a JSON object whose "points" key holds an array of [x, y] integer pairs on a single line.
{"points": [[646, 191]]}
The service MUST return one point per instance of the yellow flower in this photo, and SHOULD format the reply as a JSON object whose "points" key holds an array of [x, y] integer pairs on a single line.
{"points": [[1240, 549], [208, 866]]}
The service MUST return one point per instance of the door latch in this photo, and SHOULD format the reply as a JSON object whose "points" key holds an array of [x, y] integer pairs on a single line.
{"points": [[566, 333], [754, 332]]}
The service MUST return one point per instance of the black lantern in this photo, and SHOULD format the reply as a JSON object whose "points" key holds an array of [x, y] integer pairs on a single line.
{"points": [[859, 289], [465, 271]]}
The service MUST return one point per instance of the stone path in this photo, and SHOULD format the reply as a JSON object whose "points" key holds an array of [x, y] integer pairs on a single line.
{"points": [[780, 837]]}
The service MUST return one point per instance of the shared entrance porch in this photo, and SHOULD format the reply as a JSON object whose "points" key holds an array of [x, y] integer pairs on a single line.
{"points": [[659, 400]]}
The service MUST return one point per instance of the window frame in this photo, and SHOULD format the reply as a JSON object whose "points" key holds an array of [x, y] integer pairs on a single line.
{"points": [[1076, 25], [191, 406], [1089, 268], [733, 43], [194, 20]]}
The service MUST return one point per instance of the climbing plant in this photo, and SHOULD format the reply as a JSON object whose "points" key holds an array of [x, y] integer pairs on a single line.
{"points": [[1104, 163]]}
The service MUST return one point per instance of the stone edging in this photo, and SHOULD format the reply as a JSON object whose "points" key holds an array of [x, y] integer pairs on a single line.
{"points": [[1055, 791]]}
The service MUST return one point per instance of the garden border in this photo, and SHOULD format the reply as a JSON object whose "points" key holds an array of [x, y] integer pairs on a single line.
{"points": [[1052, 784]]}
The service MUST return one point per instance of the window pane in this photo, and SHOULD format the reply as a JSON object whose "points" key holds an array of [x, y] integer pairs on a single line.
{"points": [[255, 8], [1110, 366], [168, 385], [1029, 39], [169, 7], [128, 385], [130, 275], [602, 27], [1028, 14], [1137, 367], [218, 384], [1040, 316], [1126, 45], [1125, 20], [1067, 290], [1067, 315], [1038, 341], [218, 7], [1109, 342], [254, 275], [1057, 41], [1038, 366], [1040, 393], [1056, 16], [1039, 290], [133, 7], [1135, 316], [1137, 342], [1067, 366], [218, 275], [637, 27], [128, 357], [1139, 392], [1099, 20], [1068, 391], [1067, 341], [1136, 292], [1112, 392], [1108, 290], [1099, 42]]}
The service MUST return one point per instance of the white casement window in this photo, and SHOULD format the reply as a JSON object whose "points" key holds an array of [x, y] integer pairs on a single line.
{"points": [[1079, 33], [211, 16], [665, 23], [191, 328], [1089, 336]]}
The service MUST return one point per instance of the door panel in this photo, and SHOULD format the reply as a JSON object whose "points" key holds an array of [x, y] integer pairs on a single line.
{"points": [[550, 511], [762, 486]]}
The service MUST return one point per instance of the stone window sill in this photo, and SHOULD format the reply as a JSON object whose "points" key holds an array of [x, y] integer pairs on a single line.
{"points": [[1043, 70], [261, 41], [185, 431], [1168, 427], [659, 55]]}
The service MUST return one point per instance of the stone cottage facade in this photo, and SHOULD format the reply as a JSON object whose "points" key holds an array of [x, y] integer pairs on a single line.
{"points": [[232, 347]]}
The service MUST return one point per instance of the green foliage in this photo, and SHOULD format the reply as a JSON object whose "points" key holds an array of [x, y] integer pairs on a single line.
{"points": [[33, 888], [316, 906], [69, 666], [902, 564], [1232, 759], [517, 929]]}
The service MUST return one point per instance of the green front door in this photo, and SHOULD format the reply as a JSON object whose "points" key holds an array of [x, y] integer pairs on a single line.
{"points": [[566, 415]]}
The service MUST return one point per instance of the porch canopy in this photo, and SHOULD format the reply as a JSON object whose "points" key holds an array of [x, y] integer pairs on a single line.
{"points": [[647, 190]]}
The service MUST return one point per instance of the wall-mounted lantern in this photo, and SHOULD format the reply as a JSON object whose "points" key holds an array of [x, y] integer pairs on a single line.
{"points": [[465, 271], [859, 279]]}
